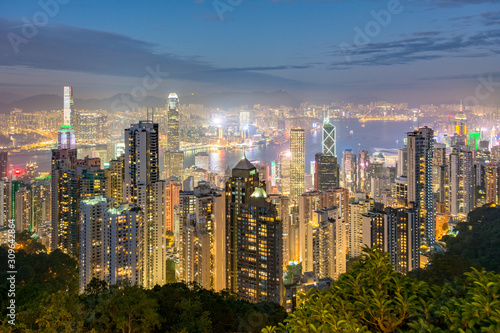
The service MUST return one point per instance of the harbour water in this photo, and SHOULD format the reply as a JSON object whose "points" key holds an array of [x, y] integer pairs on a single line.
{"points": [[384, 136]]}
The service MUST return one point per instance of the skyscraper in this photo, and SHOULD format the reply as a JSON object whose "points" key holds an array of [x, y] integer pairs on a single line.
{"points": [[364, 171], [461, 122], [328, 139], [173, 123], [298, 164], [4, 164], [259, 250], [114, 179], [111, 246], [327, 174], [349, 170], [202, 160], [68, 105], [461, 181], [420, 153], [64, 193], [239, 187], [143, 188]]}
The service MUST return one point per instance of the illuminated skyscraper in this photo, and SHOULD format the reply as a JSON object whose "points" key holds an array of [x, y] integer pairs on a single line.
{"points": [[202, 161], [111, 246], [68, 105], [461, 181], [239, 187], [357, 208], [114, 179], [349, 170], [283, 176], [420, 164], [327, 174], [492, 173], [259, 250], [461, 122], [329, 142], [364, 171], [298, 164], [173, 123], [4, 164]]}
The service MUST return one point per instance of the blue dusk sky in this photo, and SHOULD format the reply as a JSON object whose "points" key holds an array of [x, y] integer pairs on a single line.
{"points": [[420, 51]]}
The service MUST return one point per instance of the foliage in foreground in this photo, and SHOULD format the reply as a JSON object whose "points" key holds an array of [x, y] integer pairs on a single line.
{"points": [[47, 300], [372, 297]]}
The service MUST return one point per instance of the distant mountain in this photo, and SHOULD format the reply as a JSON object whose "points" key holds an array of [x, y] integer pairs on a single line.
{"points": [[122, 102]]}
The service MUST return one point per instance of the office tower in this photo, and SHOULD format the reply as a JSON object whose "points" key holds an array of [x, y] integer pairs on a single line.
{"points": [[400, 192], [357, 208], [115, 175], [174, 165], [310, 202], [420, 145], [328, 138], [239, 187], [298, 164], [492, 182], [91, 178], [202, 161], [363, 171], [202, 237], [282, 205], [440, 177], [173, 123], [143, 188], [244, 120], [327, 172], [396, 231], [402, 164], [111, 246], [68, 105], [308, 181], [312, 171], [40, 193], [141, 158], [4, 203], [259, 250], [329, 244], [461, 122], [23, 209], [64, 192], [379, 185], [172, 199], [461, 182], [87, 127], [349, 170], [284, 169], [4, 164]]}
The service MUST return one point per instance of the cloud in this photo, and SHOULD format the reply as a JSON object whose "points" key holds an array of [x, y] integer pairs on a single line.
{"points": [[67, 48]]}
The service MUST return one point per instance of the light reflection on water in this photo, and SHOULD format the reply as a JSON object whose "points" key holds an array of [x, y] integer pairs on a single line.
{"points": [[375, 136]]}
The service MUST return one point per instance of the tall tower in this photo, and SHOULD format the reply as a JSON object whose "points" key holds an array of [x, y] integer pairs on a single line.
{"points": [[349, 170], [461, 181], [68, 105], [327, 173], [329, 142], [239, 187], [173, 123], [260, 247], [461, 121], [298, 164], [420, 164], [4, 155]]}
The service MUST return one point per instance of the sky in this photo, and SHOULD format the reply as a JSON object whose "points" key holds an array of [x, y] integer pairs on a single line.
{"points": [[418, 51]]}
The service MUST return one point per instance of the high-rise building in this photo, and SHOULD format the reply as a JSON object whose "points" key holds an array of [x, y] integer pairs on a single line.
{"points": [[420, 145], [396, 231], [259, 250], [239, 187], [114, 179], [349, 170], [357, 208], [23, 209], [172, 199], [202, 237], [461, 122], [4, 164], [64, 211], [402, 164], [298, 164], [283, 177], [440, 178], [68, 105], [492, 174], [143, 188], [202, 161], [174, 165], [363, 171], [461, 181], [111, 246], [329, 244], [173, 123], [244, 120], [328, 139], [327, 174]]}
